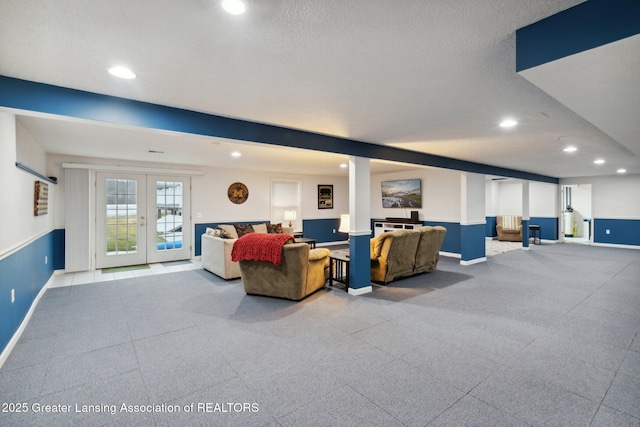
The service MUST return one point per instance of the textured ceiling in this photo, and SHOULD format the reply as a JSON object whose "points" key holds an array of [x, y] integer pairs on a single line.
{"points": [[434, 76]]}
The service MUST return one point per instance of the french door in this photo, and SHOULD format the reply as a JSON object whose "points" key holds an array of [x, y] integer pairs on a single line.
{"points": [[142, 219]]}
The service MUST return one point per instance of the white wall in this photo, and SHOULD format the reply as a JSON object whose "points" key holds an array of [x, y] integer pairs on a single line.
{"points": [[510, 198], [543, 199], [613, 196], [209, 199], [441, 200], [19, 225]]}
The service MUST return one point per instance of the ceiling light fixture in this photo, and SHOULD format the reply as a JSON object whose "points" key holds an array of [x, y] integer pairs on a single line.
{"points": [[122, 72], [622, 170], [343, 165], [508, 123], [234, 7], [598, 161], [570, 149], [236, 154]]}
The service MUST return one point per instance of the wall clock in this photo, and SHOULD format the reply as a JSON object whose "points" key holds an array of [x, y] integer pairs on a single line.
{"points": [[238, 193]]}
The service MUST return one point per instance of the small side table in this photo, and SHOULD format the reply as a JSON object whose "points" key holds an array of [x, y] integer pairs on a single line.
{"points": [[310, 242], [535, 232], [339, 268]]}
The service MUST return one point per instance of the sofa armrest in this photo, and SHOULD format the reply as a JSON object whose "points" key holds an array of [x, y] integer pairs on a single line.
{"points": [[216, 257]]}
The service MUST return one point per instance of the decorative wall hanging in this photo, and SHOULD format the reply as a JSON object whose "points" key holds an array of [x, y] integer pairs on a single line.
{"points": [[238, 193], [325, 196], [40, 198]]}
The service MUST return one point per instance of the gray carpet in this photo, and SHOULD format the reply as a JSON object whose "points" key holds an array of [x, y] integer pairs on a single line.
{"points": [[543, 337]]}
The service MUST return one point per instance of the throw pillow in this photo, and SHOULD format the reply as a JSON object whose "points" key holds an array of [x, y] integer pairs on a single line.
{"points": [[274, 228], [223, 234], [210, 231], [243, 229], [230, 229], [259, 228]]}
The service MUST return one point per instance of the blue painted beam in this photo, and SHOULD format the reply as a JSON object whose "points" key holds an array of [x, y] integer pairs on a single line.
{"points": [[586, 26], [44, 98]]}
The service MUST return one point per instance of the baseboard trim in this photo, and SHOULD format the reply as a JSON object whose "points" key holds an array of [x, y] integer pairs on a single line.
{"points": [[451, 254], [473, 261], [360, 291], [612, 245], [16, 336]]}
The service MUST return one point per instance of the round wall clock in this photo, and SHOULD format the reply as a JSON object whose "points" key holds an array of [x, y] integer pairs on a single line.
{"points": [[238, 193]]}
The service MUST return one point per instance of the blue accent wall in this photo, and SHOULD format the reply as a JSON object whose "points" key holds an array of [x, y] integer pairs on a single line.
{"points": [[322, 230], [360, 263], [622, 231], [585, 26], [452, 240], [548, 227], [490, 227], [26, 272], [472, 242]]}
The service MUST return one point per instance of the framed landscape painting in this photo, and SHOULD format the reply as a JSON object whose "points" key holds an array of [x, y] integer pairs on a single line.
{"points": [[405, 193]]}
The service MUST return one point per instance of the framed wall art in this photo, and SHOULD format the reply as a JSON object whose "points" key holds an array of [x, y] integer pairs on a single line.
{"points": [[325, 196], [40, 198]]}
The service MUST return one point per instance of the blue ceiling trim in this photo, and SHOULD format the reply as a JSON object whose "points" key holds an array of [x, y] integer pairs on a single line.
{"points": [[44, 98], [586, 26]]}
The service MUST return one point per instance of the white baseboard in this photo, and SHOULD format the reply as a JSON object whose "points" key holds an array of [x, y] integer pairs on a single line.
{"points": [[16, 336], [360, 291], [451, 254], [473, 261], [612, 245]]}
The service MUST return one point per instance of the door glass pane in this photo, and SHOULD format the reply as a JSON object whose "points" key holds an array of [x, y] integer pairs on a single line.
{"points": [[122, 222], [169, 215]]}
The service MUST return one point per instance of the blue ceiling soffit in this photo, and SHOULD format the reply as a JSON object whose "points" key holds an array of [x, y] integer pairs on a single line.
{"points": [[44, 98], [586, 26]]}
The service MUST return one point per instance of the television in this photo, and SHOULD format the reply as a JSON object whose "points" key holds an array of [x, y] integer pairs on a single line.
{"points": [[406, 193]]}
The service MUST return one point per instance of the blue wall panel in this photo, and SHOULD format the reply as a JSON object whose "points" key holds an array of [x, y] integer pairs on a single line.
{"points": [[452, 240], [25, 271], [621, 231], [473, 242], [548, 227], [322, 230], [490, 227]]}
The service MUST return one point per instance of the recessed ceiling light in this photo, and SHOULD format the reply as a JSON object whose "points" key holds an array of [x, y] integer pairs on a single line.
{"points": [[507, 123], [122, 72], [598, 161], [343, 165], [234, 7], [236, 154], [622, 170], [570, 149]]}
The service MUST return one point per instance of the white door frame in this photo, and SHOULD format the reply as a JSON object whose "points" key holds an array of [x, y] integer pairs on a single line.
{"points": [[147, 249]]}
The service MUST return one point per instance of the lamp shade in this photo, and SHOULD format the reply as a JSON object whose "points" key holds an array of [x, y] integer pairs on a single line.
{"points": [[290, 215], [344, 223]]}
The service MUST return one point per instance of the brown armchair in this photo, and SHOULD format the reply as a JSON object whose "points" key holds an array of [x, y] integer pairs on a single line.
{"points": [[302, 272], [509, 228]]}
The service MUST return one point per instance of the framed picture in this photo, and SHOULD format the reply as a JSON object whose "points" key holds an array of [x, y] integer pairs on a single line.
{"points": [[325, 196], [40, 198]]}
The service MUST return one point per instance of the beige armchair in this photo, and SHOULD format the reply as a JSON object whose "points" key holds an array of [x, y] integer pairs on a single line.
{"points": [[302, 272], [509, 228]]}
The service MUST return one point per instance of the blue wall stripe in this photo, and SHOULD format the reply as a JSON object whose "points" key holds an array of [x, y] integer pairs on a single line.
{"points": [[548, 227], [322, 230], [360, 262], [452, 240], [490, 227], [621, 231], [26, 273], [473, 242], [585, 26], [33, 96]]}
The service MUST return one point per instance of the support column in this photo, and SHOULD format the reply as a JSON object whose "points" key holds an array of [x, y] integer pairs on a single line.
{"points": [[525, 215], [359, 225], [472, 218]]}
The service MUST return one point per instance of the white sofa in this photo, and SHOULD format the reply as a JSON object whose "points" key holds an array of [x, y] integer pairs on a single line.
{"points": [[216, 251]]}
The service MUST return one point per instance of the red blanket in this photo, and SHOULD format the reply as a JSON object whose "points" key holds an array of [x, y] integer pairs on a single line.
{"points": [[260, 247]]}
